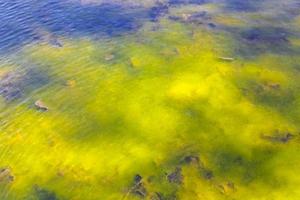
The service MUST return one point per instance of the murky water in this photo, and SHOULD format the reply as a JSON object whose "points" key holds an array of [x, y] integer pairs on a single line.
{"points": [[158, 100]]}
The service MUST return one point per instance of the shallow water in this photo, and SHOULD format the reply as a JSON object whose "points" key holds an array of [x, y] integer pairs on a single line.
{"points": [[160, 100]]}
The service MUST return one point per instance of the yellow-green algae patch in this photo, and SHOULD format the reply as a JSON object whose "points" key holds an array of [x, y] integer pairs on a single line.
{"points": [[164, 101]]}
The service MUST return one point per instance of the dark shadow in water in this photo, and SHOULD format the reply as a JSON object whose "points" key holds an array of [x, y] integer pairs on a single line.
{"points": [[43, 194], [252, 42], [157, 11], [230, 162], [271, 95], [23, 19], [179, 2], [14, 85], [266, 35], [243, 5], [76, 18]]}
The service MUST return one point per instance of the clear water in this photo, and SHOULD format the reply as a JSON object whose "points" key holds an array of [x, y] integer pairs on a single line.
{"points": [[160, 100]]}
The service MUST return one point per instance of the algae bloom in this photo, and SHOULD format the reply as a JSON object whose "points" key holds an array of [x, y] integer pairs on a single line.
{"points": [[156, 100]]}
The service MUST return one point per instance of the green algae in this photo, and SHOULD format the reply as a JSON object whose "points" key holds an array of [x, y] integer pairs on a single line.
{"points": [[163, 96]]}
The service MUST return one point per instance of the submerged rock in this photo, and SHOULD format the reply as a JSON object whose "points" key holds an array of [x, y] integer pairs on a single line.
{"points": [[229, 59], [230, 185], [109, 57], [273, 86], [196, 162], [15, 84], [191, 159], [207, 174], [135, 62], [203, 15], [195, 18], [226, 188], [6, 175], [43, 194], [55, 42], [212, 25], [10, 86], [176, 176], [138, 187], [40, 105], [71, 83], [278, 137], [137, 179]]}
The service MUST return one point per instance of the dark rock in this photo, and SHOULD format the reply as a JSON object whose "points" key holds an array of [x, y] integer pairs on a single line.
{"points": [[137, 179], [43, 194], [138, 188], [207, 174], [176, 176], [238, 160], [279, 137], [191, 159], [212, 25]]}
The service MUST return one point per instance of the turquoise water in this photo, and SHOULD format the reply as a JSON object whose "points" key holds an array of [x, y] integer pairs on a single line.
{"points": [[160, 100]]}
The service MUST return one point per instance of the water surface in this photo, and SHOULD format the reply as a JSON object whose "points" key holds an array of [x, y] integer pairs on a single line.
{"points": [[158, 100]]}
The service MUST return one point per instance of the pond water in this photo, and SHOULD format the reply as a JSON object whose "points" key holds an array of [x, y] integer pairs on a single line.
{"points": [[152, 99]]}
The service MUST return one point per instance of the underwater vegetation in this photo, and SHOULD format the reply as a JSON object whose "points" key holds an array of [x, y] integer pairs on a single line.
{"points": [[173, 100]]}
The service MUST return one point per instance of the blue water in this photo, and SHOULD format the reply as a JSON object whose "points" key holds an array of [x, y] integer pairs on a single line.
{"points": [[22, 20]]}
